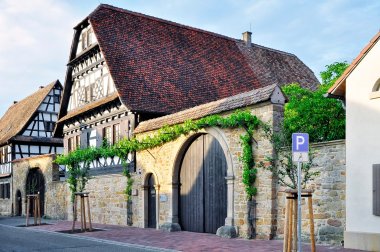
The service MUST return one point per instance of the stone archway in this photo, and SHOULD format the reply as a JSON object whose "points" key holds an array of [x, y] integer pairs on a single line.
{"points": [[35, 183], [151, 200], [203, 188], [173, 224]]}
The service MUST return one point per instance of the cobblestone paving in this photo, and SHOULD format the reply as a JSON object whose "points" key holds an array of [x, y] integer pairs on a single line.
{"points": [[182, 241]]}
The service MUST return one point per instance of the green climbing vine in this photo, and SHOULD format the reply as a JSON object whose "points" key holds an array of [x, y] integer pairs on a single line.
{"points": [[166, 134]]}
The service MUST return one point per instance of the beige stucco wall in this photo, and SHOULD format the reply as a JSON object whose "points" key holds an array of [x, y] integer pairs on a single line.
{"points": [[56, 192], [363, 142]]}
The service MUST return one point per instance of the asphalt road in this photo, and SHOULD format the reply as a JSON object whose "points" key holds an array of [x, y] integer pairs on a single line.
{"points": [[25, 239]]}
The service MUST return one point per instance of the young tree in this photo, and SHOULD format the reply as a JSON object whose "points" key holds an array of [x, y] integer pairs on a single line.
{"points": [[307, 111]]}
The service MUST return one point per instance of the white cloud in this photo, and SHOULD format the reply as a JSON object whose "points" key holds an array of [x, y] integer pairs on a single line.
{"points": [[34, 45]]}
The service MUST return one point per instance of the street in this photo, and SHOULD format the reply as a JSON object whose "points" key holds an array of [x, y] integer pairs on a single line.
{"points": [[27, 239]]}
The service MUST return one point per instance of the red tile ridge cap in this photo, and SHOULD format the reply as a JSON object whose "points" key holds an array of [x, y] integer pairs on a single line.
{"points": [[273, 50], [107, 6]]}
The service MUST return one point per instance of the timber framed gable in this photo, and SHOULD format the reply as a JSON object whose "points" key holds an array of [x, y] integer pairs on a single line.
{"points": [[92, 112], [26, 129]]}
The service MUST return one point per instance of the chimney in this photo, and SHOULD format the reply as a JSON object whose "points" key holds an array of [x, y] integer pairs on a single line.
{"points": [[247, 38], [14, 102]]}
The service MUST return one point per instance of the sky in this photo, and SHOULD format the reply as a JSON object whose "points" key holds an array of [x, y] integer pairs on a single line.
{"points": [[36, 35]]}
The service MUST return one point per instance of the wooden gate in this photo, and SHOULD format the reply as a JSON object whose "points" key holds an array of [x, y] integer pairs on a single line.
{"points": [[35, 183], [203, 189], [151, 202]]}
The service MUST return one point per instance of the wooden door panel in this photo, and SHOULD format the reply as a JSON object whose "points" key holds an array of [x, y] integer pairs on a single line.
{"points": [[191, 190], [203, 190], [215, 171], [151, 202]]}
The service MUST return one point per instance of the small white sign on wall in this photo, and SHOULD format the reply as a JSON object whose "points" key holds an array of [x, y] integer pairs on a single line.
{"points": [[163, 198]]}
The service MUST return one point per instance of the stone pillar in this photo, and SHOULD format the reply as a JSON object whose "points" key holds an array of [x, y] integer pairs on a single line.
{"points": [[157, 188], [230, 201], [172, 223], [229, 230], [144, 195]]}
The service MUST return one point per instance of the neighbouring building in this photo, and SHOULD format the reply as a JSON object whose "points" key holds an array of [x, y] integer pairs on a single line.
{"points": [[40, 174], [124, 70], [26, 130], [359, 88]]}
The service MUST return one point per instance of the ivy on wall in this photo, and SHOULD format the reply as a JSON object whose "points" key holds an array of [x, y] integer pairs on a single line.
{"points": [[75, 160]]}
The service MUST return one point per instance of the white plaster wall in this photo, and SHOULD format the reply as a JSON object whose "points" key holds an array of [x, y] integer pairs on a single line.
{"points": [[362, 142]]}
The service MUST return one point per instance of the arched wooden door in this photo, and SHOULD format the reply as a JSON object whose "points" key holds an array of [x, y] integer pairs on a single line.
{"points": [[151, 202], [35, 183], [203, 188]]}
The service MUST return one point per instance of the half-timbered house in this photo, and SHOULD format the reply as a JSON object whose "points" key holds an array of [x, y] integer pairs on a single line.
{"points": [[26, 130], [126, 67]]}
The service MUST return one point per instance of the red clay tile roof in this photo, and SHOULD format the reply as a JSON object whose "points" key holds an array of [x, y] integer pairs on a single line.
{"points": [[19, 114], [216, 107], [339, 87], [160, 66], [276, 67]]}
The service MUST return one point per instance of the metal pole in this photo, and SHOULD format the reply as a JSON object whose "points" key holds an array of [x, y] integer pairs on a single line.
{"points": [[299, 206]]}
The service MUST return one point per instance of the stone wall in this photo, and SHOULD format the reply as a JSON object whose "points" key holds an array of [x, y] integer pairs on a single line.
{"points": [[107, 199], [108, 202], [56, 191], [164, 162], [328, 197]]}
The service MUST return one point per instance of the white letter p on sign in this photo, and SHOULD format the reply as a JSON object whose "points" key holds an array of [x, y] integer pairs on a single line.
{"points": [[300, 140]]}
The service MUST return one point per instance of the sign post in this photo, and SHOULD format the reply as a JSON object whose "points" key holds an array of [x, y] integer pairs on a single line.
{"points": [[300, 154]]}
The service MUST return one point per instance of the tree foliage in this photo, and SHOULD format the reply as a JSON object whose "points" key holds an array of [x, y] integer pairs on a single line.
{"points": [[311, 112]]}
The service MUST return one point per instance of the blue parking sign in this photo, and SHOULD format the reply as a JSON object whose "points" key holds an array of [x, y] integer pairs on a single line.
{"points": [[300, 147]]}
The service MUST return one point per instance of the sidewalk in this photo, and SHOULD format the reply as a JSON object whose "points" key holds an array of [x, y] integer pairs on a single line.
{"points": [[181, 241]]}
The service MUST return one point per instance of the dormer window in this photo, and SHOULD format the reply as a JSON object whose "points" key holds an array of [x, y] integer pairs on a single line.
{"points": [[87, 38], [375, 90]]}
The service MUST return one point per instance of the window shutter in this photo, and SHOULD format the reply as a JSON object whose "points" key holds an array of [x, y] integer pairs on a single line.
{"points": [[99, 137], [2, 191], [8, 189], [124, 128], [83, 139], [376, 189]]}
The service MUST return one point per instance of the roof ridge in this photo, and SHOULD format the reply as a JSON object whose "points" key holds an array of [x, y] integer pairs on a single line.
{"points": [[34, 93], [160, 20], [19, 114], [271, 49]]}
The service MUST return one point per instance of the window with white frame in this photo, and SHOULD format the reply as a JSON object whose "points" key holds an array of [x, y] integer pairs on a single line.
{"points": [[375, 90]]}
